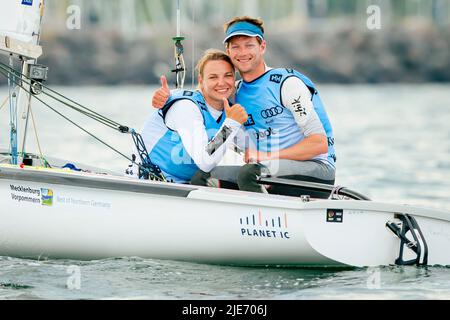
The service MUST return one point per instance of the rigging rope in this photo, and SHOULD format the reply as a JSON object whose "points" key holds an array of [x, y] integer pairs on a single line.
{"points": [[41, 156], [147, 168], [27, 116], [4, 102], [145, 158], [69, 102]]}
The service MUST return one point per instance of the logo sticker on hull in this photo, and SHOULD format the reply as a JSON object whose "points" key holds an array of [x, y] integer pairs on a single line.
{"points": [[25, 193], [335, 215], [257, 225], [47, 197]]}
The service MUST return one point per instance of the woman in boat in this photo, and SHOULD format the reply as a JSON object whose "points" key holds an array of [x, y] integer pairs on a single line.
{"points": [[193, 129]]}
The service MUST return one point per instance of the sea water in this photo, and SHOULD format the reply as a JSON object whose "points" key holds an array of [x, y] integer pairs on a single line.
{"points": [[393, 144]]}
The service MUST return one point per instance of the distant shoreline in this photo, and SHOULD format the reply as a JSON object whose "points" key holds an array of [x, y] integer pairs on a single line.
{"points": [[406, 53]]}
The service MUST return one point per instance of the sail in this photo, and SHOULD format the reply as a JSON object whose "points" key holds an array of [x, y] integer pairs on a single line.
{"points": [[20, 26], [20, 19]]}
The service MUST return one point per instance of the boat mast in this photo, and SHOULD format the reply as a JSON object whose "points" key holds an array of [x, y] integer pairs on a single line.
{"points": [[27, 95], [19, 36], [180, 68], [12, 112]]}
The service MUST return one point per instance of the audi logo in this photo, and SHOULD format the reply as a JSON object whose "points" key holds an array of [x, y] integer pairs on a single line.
{"points": [[272, 112]]}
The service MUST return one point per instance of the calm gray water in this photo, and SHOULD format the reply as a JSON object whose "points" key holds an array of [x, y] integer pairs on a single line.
{"points": [[393, 144]]}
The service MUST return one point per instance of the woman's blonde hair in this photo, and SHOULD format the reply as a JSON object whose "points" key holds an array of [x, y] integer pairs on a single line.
{"points": [[212, 55]]}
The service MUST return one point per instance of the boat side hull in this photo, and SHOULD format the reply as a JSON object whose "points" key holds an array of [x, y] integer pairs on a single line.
{"points": [[93, 223], [67, 215]]}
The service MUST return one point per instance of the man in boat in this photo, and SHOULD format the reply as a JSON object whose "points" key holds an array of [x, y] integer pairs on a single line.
{"points": [[287, 120], [194, 128]]}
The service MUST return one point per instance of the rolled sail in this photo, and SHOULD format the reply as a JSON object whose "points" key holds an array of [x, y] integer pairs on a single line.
{"points": [[20, 19]]}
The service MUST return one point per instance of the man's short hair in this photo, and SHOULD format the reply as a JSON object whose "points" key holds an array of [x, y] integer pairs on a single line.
{"points": [[256, 21]]}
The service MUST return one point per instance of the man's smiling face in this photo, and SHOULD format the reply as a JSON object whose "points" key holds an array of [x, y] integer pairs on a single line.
{"points": [[246, 53]]}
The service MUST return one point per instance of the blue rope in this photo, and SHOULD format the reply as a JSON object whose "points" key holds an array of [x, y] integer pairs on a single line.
{"points": [[147, 169]]}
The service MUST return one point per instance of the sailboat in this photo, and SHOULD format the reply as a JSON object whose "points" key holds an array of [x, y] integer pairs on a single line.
{"points": [[49, 210]]}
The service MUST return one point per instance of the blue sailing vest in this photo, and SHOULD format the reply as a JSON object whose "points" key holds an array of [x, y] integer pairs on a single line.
{"points": [[164, 145], [270, 125]]}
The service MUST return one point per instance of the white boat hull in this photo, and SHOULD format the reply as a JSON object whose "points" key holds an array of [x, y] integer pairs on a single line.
{"points": [[89, 216]]}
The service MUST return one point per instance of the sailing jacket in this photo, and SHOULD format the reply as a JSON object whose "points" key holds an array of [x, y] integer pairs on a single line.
{"points": [[164, 145], [271, 125]]}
